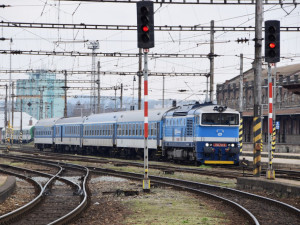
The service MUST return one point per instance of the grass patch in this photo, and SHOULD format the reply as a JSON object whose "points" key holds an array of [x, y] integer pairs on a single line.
{"points": [[168, 207], [224, 182]]}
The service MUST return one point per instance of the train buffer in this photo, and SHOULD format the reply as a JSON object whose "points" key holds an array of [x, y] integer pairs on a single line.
{"points": [[244, 164]]}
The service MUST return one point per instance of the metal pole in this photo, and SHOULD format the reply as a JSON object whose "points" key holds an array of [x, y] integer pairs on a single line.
{"points": [[52, 109], [21, 123], [115, 88], [5, 119], [241, 104], [65, 97], [257, 137], [140, 79], [98, 82], [274, 94], [9, 86], [12, 104], [211, 58], [270, 172], [241, 84], [41, 102], [121, 96], [133, 93], [274, 112], [163, 94], [146, 181]]}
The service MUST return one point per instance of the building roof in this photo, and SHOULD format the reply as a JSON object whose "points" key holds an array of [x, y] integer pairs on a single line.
{"points": [[17, 119], [284, 70]]}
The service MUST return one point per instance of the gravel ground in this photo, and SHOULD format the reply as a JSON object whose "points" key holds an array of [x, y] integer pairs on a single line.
{"points": [[23, 194], [163, 206]]}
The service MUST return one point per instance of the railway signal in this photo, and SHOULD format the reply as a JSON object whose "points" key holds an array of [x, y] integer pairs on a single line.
{"points": [[272, 41], [145, 24]]}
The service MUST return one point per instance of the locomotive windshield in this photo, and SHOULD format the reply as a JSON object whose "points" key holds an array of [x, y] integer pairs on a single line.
{"points": [[220, 119]]}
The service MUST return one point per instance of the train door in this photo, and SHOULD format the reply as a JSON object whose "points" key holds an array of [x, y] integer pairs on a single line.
{"points": [[158, 133], [61, 134], [53, 134], [80, 135], [114, 135]]}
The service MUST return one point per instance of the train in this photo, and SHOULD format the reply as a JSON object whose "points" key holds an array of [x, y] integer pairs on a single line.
{"points": [[196, 133], [27, 135]]}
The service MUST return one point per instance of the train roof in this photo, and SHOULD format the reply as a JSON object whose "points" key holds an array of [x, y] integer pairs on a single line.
{"points": [[111, 117], [214, 108], [70, 120], [138, 115], [46, 122], [198, 108]]}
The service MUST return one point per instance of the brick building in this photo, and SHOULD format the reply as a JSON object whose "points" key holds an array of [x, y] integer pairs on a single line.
{"points": [[286, 102]]}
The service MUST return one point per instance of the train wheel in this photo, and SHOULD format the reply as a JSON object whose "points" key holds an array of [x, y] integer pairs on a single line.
{"points": [[197, 163]]}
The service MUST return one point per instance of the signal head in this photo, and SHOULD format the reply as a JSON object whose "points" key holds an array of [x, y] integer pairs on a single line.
{"points": [[145, 24], [272, 41]]}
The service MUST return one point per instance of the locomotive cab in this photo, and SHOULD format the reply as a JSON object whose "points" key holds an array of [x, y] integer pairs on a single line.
{"points": [[218, 132]]}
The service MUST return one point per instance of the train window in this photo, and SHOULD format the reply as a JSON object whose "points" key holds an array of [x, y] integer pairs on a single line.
{"points": [[151, 129], [155, 129], [118, 129], [129, 130], [220, 119]]}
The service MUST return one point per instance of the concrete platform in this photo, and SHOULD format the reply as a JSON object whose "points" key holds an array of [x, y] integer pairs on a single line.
{"points": [[276, 155], [279, 186], [7, 186], [278, 163]]}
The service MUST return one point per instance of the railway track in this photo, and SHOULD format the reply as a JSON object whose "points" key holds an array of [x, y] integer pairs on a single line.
{"points": [[256, 209], [59, 199], [227, 171]]}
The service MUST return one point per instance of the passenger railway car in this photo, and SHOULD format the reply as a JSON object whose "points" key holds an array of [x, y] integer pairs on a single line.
{"points": [[204, 134], [68, 133], [27, 134], [44, 135]]}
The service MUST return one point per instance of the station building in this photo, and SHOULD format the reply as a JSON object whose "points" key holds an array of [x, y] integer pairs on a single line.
{"points": [[286, 102], [41, 94]]}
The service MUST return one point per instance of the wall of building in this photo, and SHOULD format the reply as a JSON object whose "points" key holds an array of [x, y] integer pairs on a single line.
{"points": [[41, 90], [286, 103]]}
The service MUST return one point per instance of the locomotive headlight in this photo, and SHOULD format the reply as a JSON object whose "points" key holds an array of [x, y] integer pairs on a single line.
{"points": [[206, 144], [232, 145]]}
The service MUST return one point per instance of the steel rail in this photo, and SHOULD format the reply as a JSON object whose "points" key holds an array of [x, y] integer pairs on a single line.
{"points": [[81, 190], [25, 208], [164, 181], [129, 175], [66, 218], [44, 174]]}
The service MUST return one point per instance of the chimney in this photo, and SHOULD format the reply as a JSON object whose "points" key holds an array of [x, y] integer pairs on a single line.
{"points": [[30, 121]]}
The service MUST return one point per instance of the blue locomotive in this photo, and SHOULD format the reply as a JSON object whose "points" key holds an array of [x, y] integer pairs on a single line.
{"points": [[200, 133]]}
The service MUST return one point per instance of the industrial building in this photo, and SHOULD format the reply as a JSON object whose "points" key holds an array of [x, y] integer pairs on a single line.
{"points": [[286, 102], [41, 94]]}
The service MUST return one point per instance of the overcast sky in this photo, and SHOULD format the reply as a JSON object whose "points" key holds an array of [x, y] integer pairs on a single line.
{"points": [[226, 66]]}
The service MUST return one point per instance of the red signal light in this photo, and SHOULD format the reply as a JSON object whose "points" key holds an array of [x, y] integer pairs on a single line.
{"points": [[145, 28], [272, 45]]}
